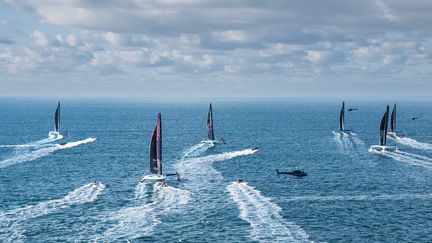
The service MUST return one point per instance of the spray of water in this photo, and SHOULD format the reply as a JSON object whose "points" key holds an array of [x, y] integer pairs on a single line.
{"points": [[24, 155], [11, 221], [267, 224]]}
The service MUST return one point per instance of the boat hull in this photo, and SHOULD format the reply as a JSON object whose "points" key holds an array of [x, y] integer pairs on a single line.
{"points": [[154, 178], [381, 149]]}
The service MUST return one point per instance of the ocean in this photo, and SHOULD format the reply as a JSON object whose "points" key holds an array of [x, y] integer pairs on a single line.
{"points": [[349, 194]]}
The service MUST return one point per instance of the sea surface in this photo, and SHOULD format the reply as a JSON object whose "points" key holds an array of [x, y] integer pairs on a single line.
{"points": [[349, 195]]}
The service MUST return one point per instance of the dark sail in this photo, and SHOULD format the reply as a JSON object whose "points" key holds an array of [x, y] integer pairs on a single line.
{"points": [[159, 143], [393, 119], [342, 117], [57, 118], [383, 128], [153, 153], [155, 148], [210, 130]]}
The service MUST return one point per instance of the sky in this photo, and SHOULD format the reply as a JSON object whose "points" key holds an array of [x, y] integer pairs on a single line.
{"points": [[223, 48]]}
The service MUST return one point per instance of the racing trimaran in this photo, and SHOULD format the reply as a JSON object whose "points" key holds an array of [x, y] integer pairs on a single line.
{"points": [[210, 129], [155, 154], [382, 146]]}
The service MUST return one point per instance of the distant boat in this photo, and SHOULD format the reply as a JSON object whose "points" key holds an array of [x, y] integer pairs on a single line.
{"points": [[342, 119], [210, 129], [57, 119], [155, 153], [382, 147], [56, 132], [393, 132]]}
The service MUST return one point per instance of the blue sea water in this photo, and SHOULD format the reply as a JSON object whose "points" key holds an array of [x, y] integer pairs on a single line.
{"points": [[349, 195]]}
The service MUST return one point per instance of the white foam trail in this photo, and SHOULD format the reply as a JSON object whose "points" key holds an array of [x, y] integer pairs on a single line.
{"points": [[413, 155], [11, 221], [25, 145], [412, 143], [142, 190], [338, 139], [196, 167], [198, 149], [23, 156], [264, 216], [348, 141], [52, 136], [139, 221], [221, 157], [357, 140], [397, 197], [408, 158]]}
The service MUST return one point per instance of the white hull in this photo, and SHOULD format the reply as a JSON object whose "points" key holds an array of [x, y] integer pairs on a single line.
{"points": [[381, 149], [54, 134], [216, 141], [153, 178]]}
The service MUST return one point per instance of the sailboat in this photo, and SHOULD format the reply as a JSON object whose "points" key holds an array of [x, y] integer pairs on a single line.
{"points": [[210, 129], [56, 131], [57, 118], [382, 147], [342, 120], [393, 132], [155, 154]]}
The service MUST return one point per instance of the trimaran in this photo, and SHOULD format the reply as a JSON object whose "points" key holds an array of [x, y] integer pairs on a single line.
{"points": [[56, 131], [393, 132], [210, 129], [382, 146], [342, 119], [155, 154], [342, 129]]}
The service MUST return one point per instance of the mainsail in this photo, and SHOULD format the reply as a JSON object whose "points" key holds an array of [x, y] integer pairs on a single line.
{"points": [[155, 148], [393, 119], [57, 118], [383, 128], [210, 130], [342, 117]]}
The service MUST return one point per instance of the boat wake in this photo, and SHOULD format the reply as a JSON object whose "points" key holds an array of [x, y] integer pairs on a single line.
{"points": [[389, 197], [264, 216], [411, 142], [197, 149], [410, 158], [220, 157], [138, 221], [207, 185], [154, 201], [11, 222], [196, 167], [348, 141], [52, 136], [25, 155]]}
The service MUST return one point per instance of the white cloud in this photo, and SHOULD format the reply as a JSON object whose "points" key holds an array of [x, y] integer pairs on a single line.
{"points": [[242, 39], [40, 39]]}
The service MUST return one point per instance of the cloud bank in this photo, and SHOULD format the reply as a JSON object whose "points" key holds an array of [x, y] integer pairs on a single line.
{"points": [[218, 48]]}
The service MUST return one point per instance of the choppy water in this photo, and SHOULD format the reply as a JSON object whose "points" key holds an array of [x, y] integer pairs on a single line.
{"points": [[349, 195]]}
